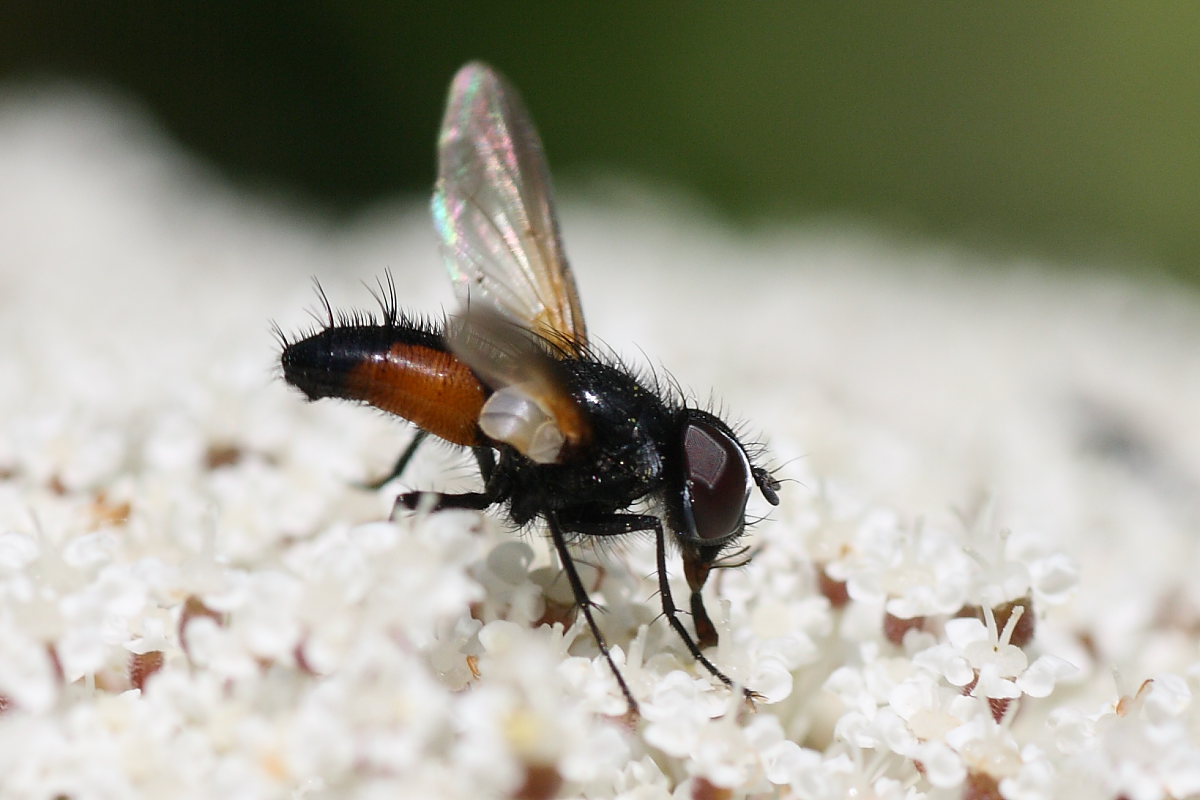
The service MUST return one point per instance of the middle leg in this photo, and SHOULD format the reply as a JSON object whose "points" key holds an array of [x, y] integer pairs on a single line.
{"points": [[585, 605], [410, 501]]}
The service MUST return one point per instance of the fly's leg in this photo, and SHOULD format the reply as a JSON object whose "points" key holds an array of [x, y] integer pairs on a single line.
{"points": [[585, 604], [704, 626], [410, 501], [401, 462], [485, 457], [616, 524]]}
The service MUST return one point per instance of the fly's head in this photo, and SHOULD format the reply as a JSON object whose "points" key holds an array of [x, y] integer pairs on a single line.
{"points": [[709, 487]]}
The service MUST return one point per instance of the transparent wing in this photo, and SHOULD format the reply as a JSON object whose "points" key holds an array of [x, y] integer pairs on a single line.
{"points": [[531, 407], [494, 210]]}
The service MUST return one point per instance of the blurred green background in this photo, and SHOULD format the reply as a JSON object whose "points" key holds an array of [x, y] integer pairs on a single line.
{"points": [[1069, 131]]}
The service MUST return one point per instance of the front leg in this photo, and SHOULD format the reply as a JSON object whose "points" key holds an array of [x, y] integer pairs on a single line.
{"points": [[704, 625], [615, 524]]}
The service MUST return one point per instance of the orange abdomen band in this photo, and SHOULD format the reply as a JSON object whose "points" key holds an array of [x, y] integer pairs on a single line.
{"points": [[429, 387]]}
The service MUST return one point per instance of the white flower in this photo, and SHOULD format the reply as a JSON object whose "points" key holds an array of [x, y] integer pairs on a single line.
{"points": [[995, 662], [1043, 674], [1146, 746], [333, 653], [986, 747], [154, 637], [785, 762], [930, 710], [675, 714], [1010, 565], [917, 572], [977, 652], [28, 676]]}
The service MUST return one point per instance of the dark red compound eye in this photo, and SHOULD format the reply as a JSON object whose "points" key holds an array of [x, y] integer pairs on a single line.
{"points": [[717, 481]]}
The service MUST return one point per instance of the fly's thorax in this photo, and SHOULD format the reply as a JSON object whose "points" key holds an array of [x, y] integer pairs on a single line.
{"points": [[631, 425], [622, 460]]}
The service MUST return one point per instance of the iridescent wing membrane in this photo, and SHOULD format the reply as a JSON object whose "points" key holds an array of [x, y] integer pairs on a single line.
{"points": [[494, 210], [493, 207]]}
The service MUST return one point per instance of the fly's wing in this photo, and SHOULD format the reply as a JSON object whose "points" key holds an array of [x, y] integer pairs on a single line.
{"points": [[494, 211], [530, 408]]}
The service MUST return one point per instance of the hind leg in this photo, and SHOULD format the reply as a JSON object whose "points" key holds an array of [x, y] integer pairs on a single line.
{"points": [[401, 463]]}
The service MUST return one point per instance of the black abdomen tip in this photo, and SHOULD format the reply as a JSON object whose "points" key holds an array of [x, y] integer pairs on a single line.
{"points": [[320, 364]]}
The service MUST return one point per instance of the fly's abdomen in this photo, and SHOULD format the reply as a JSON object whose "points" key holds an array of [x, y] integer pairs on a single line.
{"points": [[403, 370]]}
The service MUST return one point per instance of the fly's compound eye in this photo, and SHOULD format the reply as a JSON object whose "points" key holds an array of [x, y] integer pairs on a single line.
{"points": [[717, 482]]}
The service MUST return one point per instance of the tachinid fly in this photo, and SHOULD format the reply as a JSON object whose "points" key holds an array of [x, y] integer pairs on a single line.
{"points": [[560, 433]]}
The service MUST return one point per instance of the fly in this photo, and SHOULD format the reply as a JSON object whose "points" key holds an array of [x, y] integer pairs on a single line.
{"points": [[561, 432]]}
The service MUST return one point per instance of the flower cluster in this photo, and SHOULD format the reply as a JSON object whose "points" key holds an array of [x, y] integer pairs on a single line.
{"points": [[197, 599]]}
